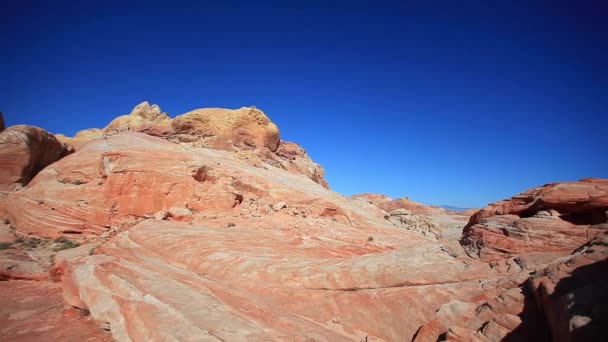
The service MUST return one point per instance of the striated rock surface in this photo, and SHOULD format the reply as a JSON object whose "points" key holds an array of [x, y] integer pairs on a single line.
{"points": [[151, 236], [261, 280], [415, 223], [430, 221], [215, 246], [246, 131], [571, 293], [551, 218], [24, 151], [36, 311], [114, 182], [563, 301]]}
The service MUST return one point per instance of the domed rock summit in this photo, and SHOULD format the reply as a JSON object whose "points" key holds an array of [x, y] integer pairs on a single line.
{"points": [[207, 226], [246, 131]]}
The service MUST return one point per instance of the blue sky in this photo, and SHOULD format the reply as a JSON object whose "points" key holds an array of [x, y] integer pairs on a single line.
{"points": [[447, 102]]}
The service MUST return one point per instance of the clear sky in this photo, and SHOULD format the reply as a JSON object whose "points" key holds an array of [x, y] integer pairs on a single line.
{"points": [[447, 102]]}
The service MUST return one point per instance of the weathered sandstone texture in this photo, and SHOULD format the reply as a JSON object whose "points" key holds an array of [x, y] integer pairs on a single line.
{"points": [[430, 221], [563, 301], [551, 218], [36, 311], [247, 131], [24, 151], [194, 231]]}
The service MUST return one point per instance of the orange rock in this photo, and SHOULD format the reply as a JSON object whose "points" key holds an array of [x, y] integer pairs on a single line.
{"points": [[247, 131], [36, 311], [24, 151], [261, 252], [554, 217], [255, 281], [405, 203], [562, 301], [247, 128], [205, 229], [81, 138], [375, 199], [142, 115], [572, 294], [115, 182], [18, 264]]}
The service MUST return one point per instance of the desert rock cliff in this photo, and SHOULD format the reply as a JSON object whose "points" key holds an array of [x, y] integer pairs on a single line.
{"points": [[208, 227]]}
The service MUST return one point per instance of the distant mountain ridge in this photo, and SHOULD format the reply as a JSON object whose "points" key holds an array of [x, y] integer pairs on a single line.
{"points": [[452, 208]]}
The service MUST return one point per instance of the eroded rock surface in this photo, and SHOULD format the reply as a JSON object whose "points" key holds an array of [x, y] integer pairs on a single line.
{"points": [[24, 151], [36, 311], [417, 223], [428, 220], [562, 301], [261, 280], [115, 182], [245, 241], [571, 293], [232, 234], [246, 131], [551, 218]]}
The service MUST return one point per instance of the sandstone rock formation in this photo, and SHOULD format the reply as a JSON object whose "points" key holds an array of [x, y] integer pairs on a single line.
{"points": [[246, 131], [211, 280], [427, 220], [149, 237], [2, 125], [316, 244], [571, 293], [36, 311], [24, 151], [81, 138], [115, 182], [245, 128], [415, 223], [405, 203], [375, 199], [143, 116], [564, 301], [554, 217]]}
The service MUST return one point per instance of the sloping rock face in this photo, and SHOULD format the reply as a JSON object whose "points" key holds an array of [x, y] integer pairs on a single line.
{"points": [[571, 293], [431, 221], [152, 239], [246, 131], [552, 218], [414, 222], [36, 311], [212, 280], [2, 125], [375, 199], [563, 301], [24, 151], [407, 204], [126, 178], [81, 138], [215, 246]]}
